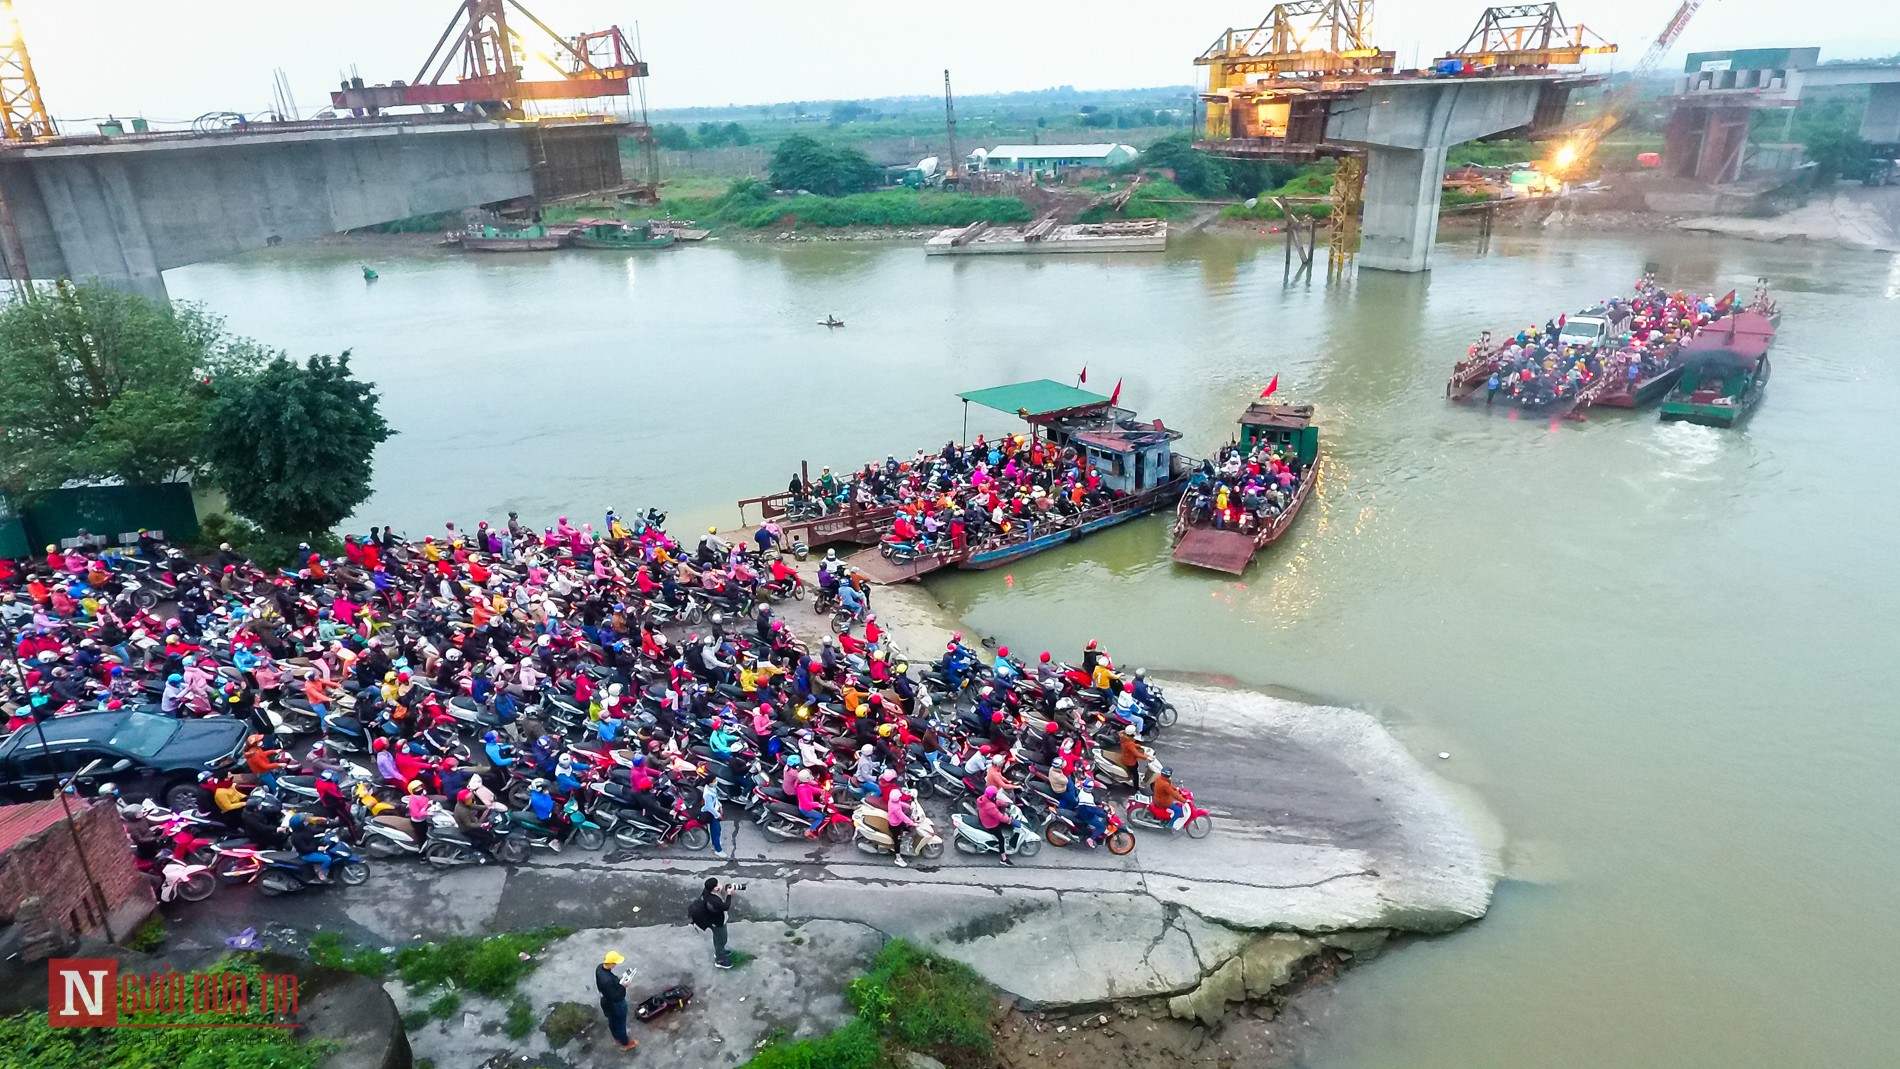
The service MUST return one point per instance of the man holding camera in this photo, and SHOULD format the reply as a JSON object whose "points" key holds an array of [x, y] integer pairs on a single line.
{"points": [[708, 913]]}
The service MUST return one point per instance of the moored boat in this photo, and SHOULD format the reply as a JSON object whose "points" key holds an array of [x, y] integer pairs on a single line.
{"points": [[1246, 498], [535, 238], [595, 234], [1725, 371]]}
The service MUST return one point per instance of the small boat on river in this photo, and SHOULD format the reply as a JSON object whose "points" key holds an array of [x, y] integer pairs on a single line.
{"points": [[534, 238], [1724, 372], [597, 234], [1257, 510]]}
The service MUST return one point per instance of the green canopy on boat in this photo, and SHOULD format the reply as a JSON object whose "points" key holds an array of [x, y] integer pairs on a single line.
{"points": [[1038, 401]]}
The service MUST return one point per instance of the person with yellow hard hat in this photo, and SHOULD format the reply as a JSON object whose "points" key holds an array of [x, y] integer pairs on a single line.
{"points": [[613, 996]]}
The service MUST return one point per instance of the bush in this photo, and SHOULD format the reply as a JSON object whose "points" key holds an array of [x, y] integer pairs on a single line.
{"points": [[445, 1005], [887, 208], [926, 1002]]}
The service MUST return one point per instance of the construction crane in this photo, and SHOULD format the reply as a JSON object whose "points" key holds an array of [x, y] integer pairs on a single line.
{"points": [[488, 54], [951, 169], [22, 110], [1301, 47], [1523, 37], [1581, 145]]}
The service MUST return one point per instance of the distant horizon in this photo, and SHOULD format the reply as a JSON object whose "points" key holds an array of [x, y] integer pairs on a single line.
{"points": [[750, 54]]}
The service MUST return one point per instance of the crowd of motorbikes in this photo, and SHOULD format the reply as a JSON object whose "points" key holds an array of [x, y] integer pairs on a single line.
{"points": [[490, 694]]}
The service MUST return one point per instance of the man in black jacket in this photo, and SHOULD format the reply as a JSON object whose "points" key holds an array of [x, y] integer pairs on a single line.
{"points": [[708, 912], [613, 997]]}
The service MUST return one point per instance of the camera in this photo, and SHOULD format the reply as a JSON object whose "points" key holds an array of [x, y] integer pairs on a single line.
{"points": [[737, 886]]}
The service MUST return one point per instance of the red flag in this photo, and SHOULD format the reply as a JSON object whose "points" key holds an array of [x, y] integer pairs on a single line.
{"points": [[1115, 398], [1084, 376], [1271, 386]]}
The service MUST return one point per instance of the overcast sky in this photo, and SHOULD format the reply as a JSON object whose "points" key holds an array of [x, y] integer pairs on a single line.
{"points": [[175, 60]]}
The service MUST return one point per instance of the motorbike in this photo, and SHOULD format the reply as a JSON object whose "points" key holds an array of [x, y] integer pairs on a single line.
{"points": [[973, 838], [899, 552], [1200, 822], [183, 880], [784, 821], [445, 847], [520, 834], [286, 873], [874, 835], [1060, 828]]}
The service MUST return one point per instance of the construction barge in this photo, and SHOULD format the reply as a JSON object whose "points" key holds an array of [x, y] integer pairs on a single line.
{"points": [[1048, 236]]}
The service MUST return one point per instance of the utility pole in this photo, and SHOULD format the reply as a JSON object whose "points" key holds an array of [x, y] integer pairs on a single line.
{"points": [[952, 168]]}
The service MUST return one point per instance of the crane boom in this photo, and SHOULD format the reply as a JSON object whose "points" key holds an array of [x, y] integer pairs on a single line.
{"points": [[1617, 104]]}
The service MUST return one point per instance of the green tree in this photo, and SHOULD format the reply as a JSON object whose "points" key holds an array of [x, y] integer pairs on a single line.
{"points": [[100, 384], [672, 136], [737, 135], [291, 445], [1193, 171], [802, 163]]}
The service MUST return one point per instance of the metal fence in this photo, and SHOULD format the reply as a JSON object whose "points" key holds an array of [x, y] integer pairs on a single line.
{"points": [[106, 515]]}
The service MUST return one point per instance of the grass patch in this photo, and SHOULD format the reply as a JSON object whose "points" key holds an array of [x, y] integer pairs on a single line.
{"points": [[27, 1040], [414, 1019], [911, 999], [520, 1020], [490, 966], [445, 1005], [855, 1046], [565, 1021], [147, 937], [1149, 201], [329, 950]]}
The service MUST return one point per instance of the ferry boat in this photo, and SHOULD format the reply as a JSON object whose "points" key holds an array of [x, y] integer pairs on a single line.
{"points": [[1133, 459], [1204, 540], [1725, 371]]}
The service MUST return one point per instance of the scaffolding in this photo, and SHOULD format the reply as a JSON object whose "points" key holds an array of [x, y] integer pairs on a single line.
{"points": [[1349, 202], [1532, 37], [22, 110]]}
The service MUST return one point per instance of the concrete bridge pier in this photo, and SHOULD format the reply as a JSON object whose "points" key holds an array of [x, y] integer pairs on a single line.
{"points": [[1407, 128]]}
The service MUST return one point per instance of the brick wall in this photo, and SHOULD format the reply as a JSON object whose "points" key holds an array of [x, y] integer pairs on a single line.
{"points": [[44, 864]]}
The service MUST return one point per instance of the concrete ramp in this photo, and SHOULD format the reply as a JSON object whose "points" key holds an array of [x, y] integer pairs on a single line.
{"points": [[885, 573], [1221, 551]]}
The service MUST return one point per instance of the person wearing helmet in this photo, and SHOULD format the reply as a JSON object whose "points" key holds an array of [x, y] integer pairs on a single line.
{"points": [[306, 841], [1006, 670], [810, 801], [903, 824], [1090, 816], [712, 548], [711, 805], [1165, 797], [171, 700], [1133, 755], [1126, 707], [996, 820], [1091, 654]]}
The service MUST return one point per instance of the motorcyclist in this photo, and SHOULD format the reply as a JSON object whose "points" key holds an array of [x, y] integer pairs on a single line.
{"points": [[306, 841], [1091, 817], [1165, 797], [897, 813], [995, 820]]}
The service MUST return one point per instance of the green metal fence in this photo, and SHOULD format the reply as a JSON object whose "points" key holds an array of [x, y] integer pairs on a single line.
{"points": [[112, 513]]}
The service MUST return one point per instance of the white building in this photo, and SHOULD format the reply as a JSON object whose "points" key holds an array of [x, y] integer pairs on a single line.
{"points": [[1049, 157]]}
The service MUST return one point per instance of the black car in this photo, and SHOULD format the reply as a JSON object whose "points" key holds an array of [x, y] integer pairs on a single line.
{"points": [[145, 754]]}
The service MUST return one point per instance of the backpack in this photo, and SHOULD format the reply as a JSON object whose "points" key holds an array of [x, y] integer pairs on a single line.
{"points": [[697, 912]]}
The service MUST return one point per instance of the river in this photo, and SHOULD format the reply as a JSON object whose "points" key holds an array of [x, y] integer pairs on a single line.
{"points": [[1662, 656]]}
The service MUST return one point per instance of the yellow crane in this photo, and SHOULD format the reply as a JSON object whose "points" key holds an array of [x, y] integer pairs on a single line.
{"points": [[22, 110]]}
